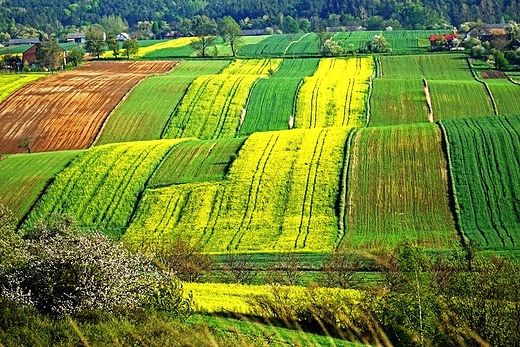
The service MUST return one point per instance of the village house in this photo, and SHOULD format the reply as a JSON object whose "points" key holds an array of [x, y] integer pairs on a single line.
{"points": [[445, 41], [18, 42], [29, 55], [490, 32], [76, 38]]}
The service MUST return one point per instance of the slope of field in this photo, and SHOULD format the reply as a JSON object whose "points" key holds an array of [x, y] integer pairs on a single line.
{"points": [[23, 177], [145, 112], [197, 161], [214, 105], [273, 45], [101, 186], [396, 102], [336, 94], [432, 67], [66, 110], [9, 83], [397, 189], [484, 157], [279, 195], [271, 104], [458, 99], [506, 96]]}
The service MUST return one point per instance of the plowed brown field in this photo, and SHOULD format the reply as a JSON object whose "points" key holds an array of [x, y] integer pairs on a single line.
{"points": [[66, 110]]}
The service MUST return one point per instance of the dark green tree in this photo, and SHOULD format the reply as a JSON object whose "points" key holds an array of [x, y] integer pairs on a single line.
{"points": [[95, 42], [230, 31], [50, 55], [113, 44], [130, 48], [75, 56], [205, 29]]}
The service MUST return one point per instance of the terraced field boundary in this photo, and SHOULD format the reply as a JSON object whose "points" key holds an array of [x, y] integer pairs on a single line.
{"points": [[145, 112], [66, 110], [484, 155]]}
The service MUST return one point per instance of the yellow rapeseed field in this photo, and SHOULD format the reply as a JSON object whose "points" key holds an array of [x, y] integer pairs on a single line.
{"points": [[336, 94]]}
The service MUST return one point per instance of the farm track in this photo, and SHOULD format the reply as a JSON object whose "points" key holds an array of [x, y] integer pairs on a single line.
{"points": [[66, 110]]}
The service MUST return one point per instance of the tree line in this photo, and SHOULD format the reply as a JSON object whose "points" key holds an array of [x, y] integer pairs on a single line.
{"points": [[32, 17]]}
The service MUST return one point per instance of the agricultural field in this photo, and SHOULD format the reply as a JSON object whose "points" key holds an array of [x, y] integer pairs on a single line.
{"points": [[101, 186], [272, 100], [459, 99], [66, 110], [336, 95], [410, 40], [353, 40], [197, 161], [9, 83], [279, 195], [506, 95], [307, 45], [147, 51], [24, 177], [144, 113], [431, 67], [396, 189], [273, 45], [214, 105], [484, 156], [396, 102]]}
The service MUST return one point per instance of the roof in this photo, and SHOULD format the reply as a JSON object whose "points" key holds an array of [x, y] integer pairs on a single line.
{"points": [[24, 41], [447, 37], [76, 36]]}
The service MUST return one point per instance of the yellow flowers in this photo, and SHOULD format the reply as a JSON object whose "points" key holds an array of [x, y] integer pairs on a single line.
{"points": [[279, 196], [336, 94], [101, 185], [215, 104], [11, 83], [183, 41]]}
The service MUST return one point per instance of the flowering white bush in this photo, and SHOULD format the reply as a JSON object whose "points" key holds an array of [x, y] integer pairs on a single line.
{"points": [[68, 271]]}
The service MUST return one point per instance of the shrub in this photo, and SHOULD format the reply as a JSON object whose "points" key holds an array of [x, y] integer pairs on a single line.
{"points": [[68, 271]]}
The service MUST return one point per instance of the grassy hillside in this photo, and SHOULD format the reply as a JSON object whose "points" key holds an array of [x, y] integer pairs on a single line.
{"points": [[100, 188], [24, 177], [484, 161], [397, 189]]}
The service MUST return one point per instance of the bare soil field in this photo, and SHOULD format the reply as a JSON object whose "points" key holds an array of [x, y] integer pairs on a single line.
{"points": [[493, 74], [66, 110]]}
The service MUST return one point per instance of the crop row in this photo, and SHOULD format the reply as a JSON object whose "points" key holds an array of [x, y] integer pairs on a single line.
{"points": [[11, 83], [272, 100], [148, 107], [431, 67], [274, 45], [196, 161], [336, 94], [214, 105], [24, 177], [484, 155], [396, 189], [101, 186], [279, 195]]}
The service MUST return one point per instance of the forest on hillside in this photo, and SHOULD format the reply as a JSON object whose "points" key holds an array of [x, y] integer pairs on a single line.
{"points": [[58, 16]]}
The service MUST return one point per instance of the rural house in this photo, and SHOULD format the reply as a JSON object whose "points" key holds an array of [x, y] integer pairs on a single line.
{"points": [[443, 41], [490, 32], [76, 38], [30, 54]]}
